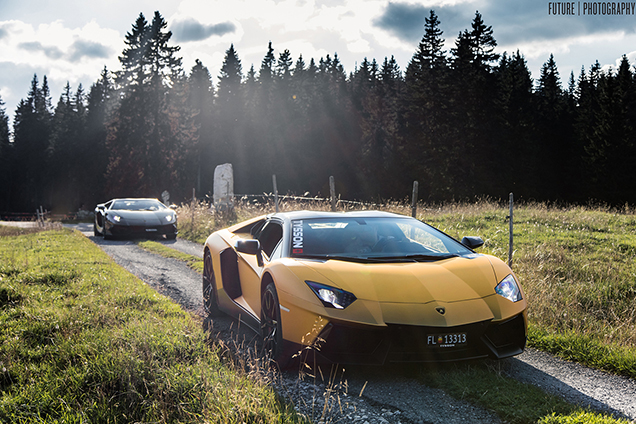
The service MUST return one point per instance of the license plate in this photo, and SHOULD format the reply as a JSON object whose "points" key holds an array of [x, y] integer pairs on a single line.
{"points": [[151, 229], [447, 340]]}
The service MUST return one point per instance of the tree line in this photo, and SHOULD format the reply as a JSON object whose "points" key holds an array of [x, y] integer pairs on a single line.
{"points": [[465, 122]]}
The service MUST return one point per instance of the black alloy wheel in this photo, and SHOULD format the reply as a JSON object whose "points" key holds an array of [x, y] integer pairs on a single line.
{"points": [[210, 298], [271, 329]]}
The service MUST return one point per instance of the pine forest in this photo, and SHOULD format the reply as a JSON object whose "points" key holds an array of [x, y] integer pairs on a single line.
{"points": [[465, 123]]}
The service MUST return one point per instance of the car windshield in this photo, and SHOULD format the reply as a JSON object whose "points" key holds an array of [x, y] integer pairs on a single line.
{"points": [[373, 239], [138, 205]]}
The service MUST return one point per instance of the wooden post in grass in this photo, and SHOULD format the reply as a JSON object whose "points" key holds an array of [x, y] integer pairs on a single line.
{"points": [[332, 191], [414, 199], [192, 207], [275, 192], [510, 240]]}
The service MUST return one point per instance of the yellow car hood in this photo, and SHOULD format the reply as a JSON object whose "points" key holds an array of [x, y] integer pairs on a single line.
{"points": [[411, 293], [449, 280]]}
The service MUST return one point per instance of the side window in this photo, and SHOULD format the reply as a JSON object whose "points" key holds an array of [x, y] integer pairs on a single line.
{"points": [[270, 236]]}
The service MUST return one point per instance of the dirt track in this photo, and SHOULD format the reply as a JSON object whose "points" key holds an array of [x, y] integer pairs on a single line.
{"points": [[392, 393]]}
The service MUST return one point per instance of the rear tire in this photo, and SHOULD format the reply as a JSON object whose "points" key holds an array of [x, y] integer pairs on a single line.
{"points": [[210, 296]]}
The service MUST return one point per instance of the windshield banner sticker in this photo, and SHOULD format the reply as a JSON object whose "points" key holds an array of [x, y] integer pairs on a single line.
{"points": [[297, 236]]}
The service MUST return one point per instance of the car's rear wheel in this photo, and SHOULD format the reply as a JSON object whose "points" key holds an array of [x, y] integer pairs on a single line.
{"points": [[96, 231], [210, 297]]}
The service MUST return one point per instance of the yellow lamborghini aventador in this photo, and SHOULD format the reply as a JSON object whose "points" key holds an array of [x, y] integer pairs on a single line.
{"points": [[363, 287]]}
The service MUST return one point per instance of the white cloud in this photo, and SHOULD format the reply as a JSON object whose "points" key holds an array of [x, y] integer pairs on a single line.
{"points": [[53, 45]]}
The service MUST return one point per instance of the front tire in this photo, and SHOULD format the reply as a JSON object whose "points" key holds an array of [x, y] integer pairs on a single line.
{"points": [[96, 232], [210, 296], [271, 328]]}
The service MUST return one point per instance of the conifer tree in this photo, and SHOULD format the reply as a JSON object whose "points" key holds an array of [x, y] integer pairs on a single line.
{"points": [[515, 126], [554, 144], [6, 153], [100, 102], [66, 150], [379, 127], [201, 100], [428, 133], [152, 125], [605, 128], [230, 102], [32, 133], [473, 107]]}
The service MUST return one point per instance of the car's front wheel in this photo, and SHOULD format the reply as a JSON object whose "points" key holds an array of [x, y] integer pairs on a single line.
{"points": [[271, 328], [210, 298], [96, 231]]}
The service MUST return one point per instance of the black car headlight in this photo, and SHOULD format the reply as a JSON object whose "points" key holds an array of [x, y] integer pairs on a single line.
{"points": [[170, 218], [114, 218], [509, 288], [331, 297]]}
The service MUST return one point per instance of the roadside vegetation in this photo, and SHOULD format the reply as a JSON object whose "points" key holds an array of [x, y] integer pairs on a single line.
{"points": [[578, 268], [192, 261], [82, 340]]}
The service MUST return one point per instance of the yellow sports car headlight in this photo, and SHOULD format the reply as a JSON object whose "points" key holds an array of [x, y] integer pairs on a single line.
{"points": [[509, 289], [331, 297]]}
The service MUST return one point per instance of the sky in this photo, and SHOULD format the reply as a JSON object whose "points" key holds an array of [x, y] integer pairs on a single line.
{"points": [[73, 40]]}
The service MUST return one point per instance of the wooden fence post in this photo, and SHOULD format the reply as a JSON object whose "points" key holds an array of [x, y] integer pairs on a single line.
{"points": [[414, 199], [510, 240], [192, 205], [332, 190], [275, 192]]}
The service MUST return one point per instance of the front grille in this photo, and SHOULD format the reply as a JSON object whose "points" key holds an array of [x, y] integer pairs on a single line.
{"points": [[347, 343]]}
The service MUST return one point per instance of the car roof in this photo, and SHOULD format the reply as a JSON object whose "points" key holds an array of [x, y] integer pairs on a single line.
{"points": [[296, 215], [133, 198]]}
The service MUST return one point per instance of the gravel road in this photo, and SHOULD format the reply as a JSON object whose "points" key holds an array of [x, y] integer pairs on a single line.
{"points": [[391, 394]]}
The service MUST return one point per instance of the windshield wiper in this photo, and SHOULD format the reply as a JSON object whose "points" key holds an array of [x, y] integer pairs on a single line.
{"points": [[418, 257], [339, 258]]}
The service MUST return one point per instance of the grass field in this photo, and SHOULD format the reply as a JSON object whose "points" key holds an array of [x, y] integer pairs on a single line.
{"points": [[84, 341], [578, 268]]}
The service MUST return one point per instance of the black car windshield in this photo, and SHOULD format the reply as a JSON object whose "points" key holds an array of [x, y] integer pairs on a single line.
{"points": [[376, 239], [138, 205]]}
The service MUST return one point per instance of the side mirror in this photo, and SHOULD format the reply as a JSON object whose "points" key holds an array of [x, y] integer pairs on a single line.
{"points": [[249, 247], [472, 242]]}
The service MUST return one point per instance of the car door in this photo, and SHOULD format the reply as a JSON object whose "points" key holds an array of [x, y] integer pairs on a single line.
{"points": [[251, 266]]}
